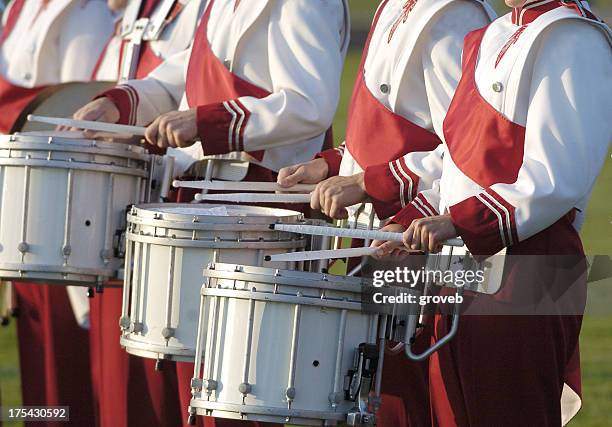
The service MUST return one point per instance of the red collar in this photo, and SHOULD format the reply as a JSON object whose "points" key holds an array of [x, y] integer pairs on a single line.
{"points": [[532, 9]]}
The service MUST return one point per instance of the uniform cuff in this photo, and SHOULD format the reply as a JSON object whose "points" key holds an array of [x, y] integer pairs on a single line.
{"points": [[418, 208], [333, 158], [126, 100], [221, 127], [390, 186], [485, 222]]}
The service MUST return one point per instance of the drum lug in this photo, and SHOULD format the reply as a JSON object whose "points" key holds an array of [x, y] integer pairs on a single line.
{"points": [[290, 393], [209, 385], [106, 255], [23, 247], [244, 388], [66, 250], [335, 398], [196, 384], [168, 333], [136, 327], [124, 323]]}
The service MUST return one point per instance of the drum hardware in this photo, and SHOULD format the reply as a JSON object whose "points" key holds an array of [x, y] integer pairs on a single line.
{"points": [[359, 382], [406, 319]]}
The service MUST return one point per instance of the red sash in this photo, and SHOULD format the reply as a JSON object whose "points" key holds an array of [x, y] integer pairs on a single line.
{"points": [[376, 135], [209, 81], [13, 98]]}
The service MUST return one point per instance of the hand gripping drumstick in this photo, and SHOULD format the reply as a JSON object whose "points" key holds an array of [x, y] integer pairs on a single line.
{"points": [[349, 232], [242, 186]]}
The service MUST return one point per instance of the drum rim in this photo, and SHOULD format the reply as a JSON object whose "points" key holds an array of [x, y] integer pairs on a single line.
{"points": [[231, 268], [144, 212], [76, 275], [201, 406], [25, 142]]}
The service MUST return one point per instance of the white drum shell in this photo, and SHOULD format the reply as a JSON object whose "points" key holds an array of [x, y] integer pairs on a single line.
{"points": [[319, 332], [158, 236], [65, 198]]}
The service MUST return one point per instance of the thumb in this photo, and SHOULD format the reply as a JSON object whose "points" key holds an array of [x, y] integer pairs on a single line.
{"points": [[294, 177]]}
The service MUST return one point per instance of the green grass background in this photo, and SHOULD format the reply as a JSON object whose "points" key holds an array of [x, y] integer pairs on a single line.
{"points": [[596, 338]]}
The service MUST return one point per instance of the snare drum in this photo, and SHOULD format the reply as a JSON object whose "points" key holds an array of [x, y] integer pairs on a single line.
{"points": [[63, 203], [283, 346], [168, 245]]}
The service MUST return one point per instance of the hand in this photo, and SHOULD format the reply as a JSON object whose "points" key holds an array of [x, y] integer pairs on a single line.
{"points": [[99, 110], [386, 248], [334, 194], [311, 172], [429, 234], [174, 129]]}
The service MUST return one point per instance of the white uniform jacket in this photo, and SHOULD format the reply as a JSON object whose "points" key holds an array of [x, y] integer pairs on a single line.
{"points": [[54, 42], [412, 68], [544, 72], [178, 24], [294, 49]]}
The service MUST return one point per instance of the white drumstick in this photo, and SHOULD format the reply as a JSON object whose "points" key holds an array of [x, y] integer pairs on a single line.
{"points": [[255, 198], [348, 232], [242, 186], [89, 125], [325, 254]]}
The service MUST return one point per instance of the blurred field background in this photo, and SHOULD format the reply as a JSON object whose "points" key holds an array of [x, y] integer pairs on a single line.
{"points": [[596, 338]]}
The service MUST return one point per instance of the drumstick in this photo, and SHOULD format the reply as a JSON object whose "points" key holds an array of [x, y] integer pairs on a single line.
{"points": [[115, 128], [89, 125], [349, 232], [324, 254], [242, 186], [255, 198]]}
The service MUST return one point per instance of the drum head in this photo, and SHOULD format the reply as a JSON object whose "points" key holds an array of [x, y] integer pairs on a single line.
{"points": [[215, 213], [61, 100]]}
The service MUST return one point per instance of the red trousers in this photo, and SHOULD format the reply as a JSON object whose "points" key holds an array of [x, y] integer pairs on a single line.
{"points": [[128, 390], [503, 370], [53, 353], [510, 370]]}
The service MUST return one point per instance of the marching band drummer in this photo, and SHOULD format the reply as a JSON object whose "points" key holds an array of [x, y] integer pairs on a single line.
{"points": [[43, 43], [148, 32], [258, 74], [527, 134], [410, 68]]}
